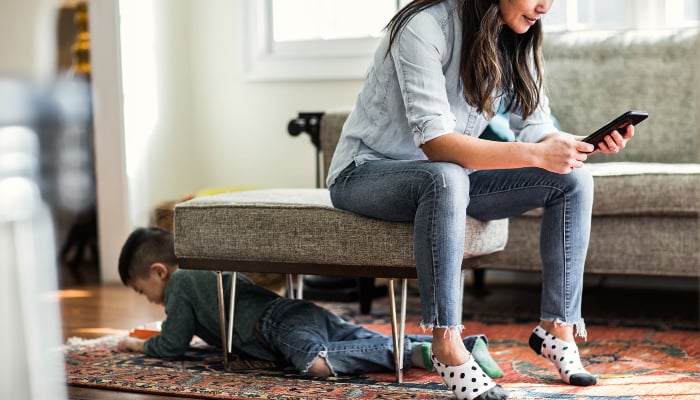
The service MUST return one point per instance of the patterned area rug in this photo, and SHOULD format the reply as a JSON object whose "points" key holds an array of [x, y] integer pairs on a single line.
{"points": [[632, 363]]}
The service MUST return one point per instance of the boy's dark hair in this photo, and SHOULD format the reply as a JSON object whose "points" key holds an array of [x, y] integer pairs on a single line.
{"points": [[143, 247]]}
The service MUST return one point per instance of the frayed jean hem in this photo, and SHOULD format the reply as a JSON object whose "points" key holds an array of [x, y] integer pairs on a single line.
{"points": [[579, 326], [448, 328]]}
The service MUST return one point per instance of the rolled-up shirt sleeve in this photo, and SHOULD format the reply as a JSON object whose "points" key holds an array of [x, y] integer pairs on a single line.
{"points": [[418, 56]]}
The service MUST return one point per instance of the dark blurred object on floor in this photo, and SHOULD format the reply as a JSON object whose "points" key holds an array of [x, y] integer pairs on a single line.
{"points": [[79, 254], [81, 239]]}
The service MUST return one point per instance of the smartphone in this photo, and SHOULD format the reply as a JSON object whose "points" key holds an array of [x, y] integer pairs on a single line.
{"points": [[632, 117]]}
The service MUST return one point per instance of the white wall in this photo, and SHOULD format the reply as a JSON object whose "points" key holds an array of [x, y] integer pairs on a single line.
{"points": [[26, 41], [110, 160], [243, 125], [159, 117], [213, 128]]}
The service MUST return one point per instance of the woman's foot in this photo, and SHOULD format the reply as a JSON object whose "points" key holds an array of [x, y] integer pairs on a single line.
{"points": [[469, 381], [564, 355]]}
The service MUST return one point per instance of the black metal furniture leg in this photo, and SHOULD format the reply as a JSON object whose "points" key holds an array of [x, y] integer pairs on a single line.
{"points": [[366, 294], [480, 282]]}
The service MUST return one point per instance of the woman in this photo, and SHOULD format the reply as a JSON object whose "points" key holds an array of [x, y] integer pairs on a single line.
{"points": [[410, 151]]}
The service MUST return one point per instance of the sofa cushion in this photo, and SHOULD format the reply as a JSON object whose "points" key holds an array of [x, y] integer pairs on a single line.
{"points": [[644, 189], [301, 226], [629, 188]]}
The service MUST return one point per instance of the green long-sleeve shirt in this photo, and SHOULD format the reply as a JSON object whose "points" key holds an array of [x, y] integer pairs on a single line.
{"points": [[192, 308]]}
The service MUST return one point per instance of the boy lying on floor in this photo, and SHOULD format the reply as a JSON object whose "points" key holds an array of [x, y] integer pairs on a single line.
{"points": [[267, 327]]}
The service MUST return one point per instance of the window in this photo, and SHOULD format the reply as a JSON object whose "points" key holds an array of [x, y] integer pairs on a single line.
{"points": [[335, 39], [622, 14], [306, 20], [312, 39]]}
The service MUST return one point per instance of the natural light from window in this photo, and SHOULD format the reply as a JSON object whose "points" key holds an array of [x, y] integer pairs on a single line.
{"points": [[139, 85], [335, 39], [139, 77], [295, 20]]}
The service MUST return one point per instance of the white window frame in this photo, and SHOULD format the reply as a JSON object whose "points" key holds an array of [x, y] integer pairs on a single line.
{"points": [[265, 60], [341, 59]]}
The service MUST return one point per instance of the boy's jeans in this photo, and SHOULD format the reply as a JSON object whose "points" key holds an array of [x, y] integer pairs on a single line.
{"points": [[299, 331], [437, 197]]}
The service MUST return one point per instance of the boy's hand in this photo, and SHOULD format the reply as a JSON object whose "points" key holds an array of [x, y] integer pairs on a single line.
{"points": [[131, 344]]}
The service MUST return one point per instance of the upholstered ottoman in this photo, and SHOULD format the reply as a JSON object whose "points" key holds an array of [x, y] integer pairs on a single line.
{"points": [[298, 231]]}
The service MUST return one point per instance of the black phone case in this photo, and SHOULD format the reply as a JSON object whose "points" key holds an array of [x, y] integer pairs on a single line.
{"points": [[632, 117]]}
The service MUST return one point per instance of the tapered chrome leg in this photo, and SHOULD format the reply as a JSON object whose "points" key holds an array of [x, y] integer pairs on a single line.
{"points": [[395, 335], [222, 317]]}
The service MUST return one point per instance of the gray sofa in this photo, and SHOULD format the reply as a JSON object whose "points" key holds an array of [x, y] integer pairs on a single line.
{"points": [[647, 198]]}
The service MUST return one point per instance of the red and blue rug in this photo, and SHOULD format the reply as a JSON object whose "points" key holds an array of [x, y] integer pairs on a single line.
{"points": [[632, 363]]}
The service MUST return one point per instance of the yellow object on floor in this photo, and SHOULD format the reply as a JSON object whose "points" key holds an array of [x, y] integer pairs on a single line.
{"points": [[220, 190]]}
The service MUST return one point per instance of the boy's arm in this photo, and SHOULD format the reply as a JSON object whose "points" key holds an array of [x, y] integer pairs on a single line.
{"points": [[176, 332], [180, 324], [163, 346]]}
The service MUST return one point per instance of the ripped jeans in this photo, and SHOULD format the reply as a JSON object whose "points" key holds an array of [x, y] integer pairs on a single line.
{"points": [[438, 196], [299, 332]]}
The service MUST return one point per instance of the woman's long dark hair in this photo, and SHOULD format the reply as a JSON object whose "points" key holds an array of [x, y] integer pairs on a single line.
{"points": [[494, 58]]}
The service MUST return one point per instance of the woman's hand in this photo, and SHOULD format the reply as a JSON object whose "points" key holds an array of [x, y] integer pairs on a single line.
{"points": [[131, 344], [616, 141], [562, 152]]}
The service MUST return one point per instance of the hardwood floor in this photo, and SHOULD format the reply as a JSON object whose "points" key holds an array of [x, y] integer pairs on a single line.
{"points": [[98, 310]]}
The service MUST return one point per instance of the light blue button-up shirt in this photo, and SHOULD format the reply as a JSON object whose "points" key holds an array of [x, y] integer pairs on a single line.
{"points": [[415, 95]]}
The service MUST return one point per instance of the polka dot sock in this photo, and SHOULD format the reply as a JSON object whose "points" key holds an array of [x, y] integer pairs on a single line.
{"points": [[563, 355], [469, 381]]}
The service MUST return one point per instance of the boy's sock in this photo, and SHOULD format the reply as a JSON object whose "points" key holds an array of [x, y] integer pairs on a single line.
{"points": [[420, 356], [482, 356]]}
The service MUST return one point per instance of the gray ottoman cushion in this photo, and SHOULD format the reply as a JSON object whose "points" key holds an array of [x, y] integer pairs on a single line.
{"points": [[301, 226]]}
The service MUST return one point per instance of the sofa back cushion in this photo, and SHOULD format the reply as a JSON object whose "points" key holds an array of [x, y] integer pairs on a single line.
{"points": [[592, 77]]}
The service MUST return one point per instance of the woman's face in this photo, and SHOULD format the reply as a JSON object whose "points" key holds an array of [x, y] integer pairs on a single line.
{"points": [[520, 15]]}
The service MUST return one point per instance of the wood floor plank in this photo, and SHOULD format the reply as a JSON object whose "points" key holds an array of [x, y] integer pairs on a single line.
{"points": [[98, 310]]}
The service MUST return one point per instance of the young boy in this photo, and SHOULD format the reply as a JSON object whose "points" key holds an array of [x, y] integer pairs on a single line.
{"points": [[267, 327]]}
